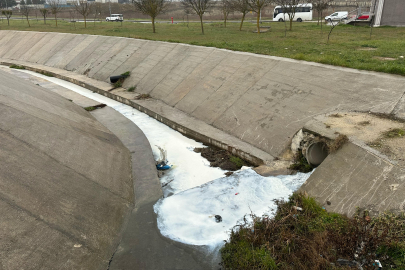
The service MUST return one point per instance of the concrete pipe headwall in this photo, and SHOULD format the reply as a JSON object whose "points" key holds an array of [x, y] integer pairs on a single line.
{"points": [[261, 100], [65, 182]]}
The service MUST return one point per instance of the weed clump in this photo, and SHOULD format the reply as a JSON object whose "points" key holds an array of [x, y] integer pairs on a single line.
{"points": [[143, 96], [394, 133], [120, 81], [17, 67], [301, 164], [131, 89], [95, 107], [364, 123], [335, 115], [237, 161], [46, 73], [90, 108], [338, 143], [303, 235]]}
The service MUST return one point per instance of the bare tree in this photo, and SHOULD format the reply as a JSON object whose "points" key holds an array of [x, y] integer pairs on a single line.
{"points": [[56, 7], [199, 7], [44, 13], [187, 11], [226, 7], [83, 8], [333, 25], [290, 7], [97, 11], [243, 7], [151, 7], [257, 6], [8, 14], [320, 6], [25, 11]]}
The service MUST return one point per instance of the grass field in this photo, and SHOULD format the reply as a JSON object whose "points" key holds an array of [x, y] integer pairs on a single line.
{"points": [[349, 46]]}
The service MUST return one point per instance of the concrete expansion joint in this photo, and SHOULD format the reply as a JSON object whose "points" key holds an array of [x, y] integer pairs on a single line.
{"points": [[234, 145]]}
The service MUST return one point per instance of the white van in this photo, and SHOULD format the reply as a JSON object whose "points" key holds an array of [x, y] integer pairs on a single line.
{"points": [[337, 16], [115, 18], [303, 12]]}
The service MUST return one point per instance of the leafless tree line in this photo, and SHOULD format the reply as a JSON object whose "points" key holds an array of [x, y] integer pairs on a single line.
{"points": [[153, 8]]}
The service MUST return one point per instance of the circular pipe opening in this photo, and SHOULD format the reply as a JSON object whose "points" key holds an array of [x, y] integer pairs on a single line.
{"points": [[316, 153]]}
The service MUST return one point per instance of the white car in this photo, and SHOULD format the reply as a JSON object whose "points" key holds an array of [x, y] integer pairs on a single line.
{"points": [[115, 18], [337, 16]]}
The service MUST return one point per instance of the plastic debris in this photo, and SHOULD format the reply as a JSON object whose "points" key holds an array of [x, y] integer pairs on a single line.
{"points": [[218, 218], [161, 163], [236, 193], [297, 208]]}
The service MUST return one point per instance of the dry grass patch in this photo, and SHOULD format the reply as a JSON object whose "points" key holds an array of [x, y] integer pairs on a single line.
{"points": [[338, 143]]}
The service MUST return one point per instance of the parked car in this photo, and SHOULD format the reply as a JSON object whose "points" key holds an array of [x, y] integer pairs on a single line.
{"points": [[115, 18], [337, 16]]}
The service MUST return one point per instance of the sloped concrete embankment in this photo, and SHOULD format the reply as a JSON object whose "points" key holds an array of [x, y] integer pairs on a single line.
{"points": [[357, 176], [258, 99], [65, 179]]}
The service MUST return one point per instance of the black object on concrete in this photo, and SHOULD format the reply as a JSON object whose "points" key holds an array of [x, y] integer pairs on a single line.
{"points": [[114, 79]]}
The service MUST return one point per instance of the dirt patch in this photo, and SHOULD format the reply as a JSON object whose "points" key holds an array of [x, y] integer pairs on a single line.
{"points": [[221, 158], [385, 133], [384, 58], [364, 126], [367, 49], [263, 29]]}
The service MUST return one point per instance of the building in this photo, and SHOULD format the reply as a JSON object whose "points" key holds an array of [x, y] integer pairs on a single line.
{"points": [[389, 12]]}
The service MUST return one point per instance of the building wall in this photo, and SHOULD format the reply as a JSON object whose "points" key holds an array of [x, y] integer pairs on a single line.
{"points": [[360, 3], [393, 13]]}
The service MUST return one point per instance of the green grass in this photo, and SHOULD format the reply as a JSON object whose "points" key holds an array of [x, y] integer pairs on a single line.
{"points": [[237, 161], [90, 108], [46, 73], [301, 164], [17, 67], [131, 89], [305, 42]]}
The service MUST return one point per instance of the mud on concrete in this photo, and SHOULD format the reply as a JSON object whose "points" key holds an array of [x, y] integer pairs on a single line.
{"points": [[221, 158]]}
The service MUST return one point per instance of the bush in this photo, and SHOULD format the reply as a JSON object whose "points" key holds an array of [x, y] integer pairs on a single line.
{"points": [[303, 235]]}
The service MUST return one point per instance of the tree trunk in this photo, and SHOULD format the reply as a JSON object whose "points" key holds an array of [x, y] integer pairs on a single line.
{"points": [[8, 21], [28, 22], [84, 21], [44, 21], [202, 26], [321, 22], [291, 24], [241, 23], [153, 24], [225, 18], [56, 21], [258, 22]]}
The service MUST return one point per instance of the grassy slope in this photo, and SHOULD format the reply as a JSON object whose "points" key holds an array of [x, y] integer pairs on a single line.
{"points": [[308, 237], [305, 42]]}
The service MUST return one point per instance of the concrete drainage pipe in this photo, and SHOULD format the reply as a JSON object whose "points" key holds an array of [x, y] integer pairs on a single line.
{"points": [[316, 153]]}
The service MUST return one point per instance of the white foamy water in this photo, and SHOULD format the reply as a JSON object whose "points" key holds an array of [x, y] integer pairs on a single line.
{"points": [[200, 191]]}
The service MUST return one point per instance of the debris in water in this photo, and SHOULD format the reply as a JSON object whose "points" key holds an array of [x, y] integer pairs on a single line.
{"points": [[161, 163]]}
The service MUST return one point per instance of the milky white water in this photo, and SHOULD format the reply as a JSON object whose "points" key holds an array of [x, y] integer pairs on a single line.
{"points": [[200, 191]]}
